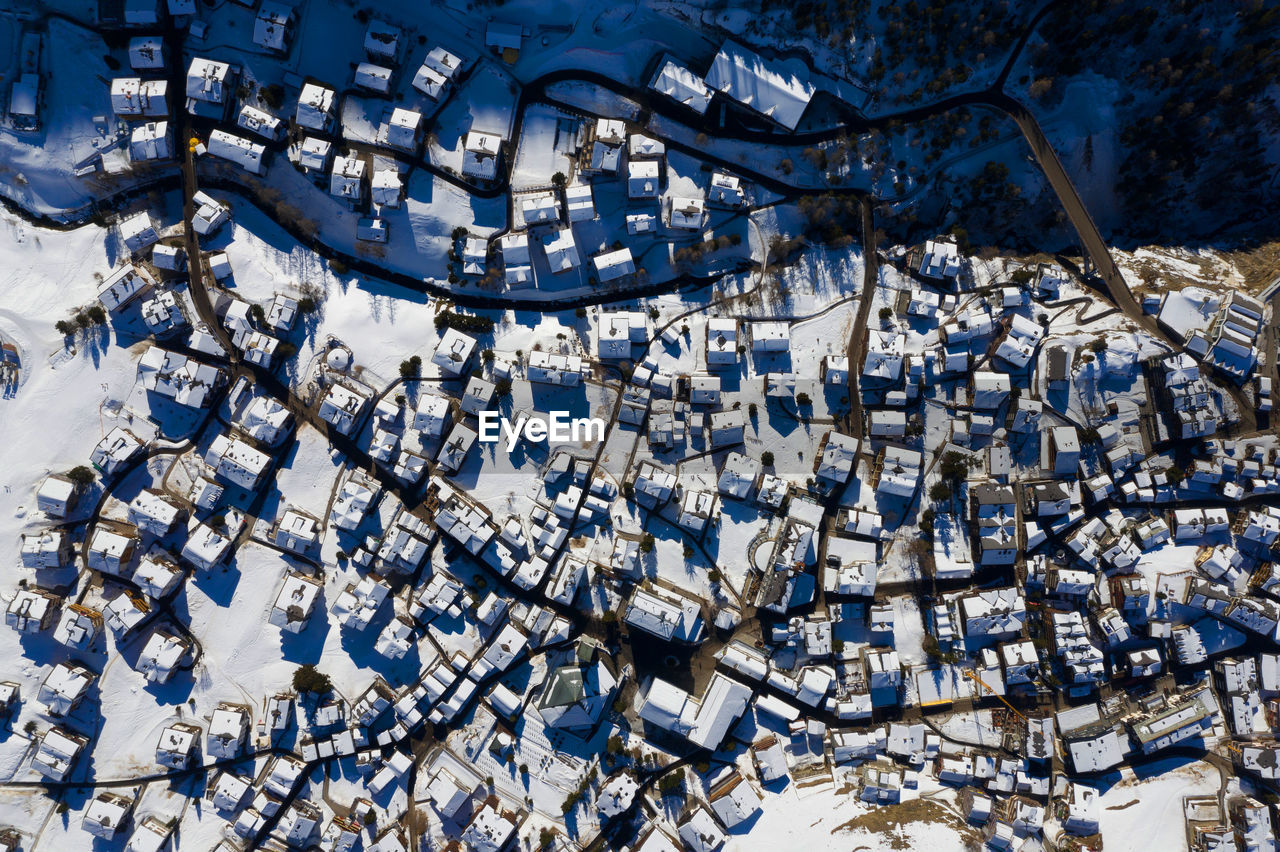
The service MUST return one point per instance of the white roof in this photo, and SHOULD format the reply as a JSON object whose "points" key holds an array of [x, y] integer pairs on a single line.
{"points": [[614, 264], [681, 85], [236, 149], [770, 88]]}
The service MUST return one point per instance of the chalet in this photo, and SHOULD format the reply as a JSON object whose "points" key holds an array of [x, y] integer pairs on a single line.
{"points": [[115, 450], [265, 420], [618, 330], [733, 799], [474, 256], [347, 180], [477, 396], [357, 605], [940, 260], [703, 722], [643, 179], [403, 130], [184, 380], [381, 41], [726, 190], [1020, 341], [606, 146], [273, 26], [314, 154], [110, 552], [433, 416], [993, 613], [561, 251], [150, 141], [260, 123], [480, 155], [900, 470], [686, 214], [228, 731], [157, 575], [579, 204], [210, 87], [373, 78], [236, 462], [489, 830], [883, 362], [128, 282], [57, 495], [681, 85], [237, 150], [612, 265], [146, 53], [722, 342], [107, 813], [515, 259], [58, 752], [540, 209], [997, 524], [554, 369], [641, 223], [132, 97], [696, 510], [46, 550], [178, 746], [78, 627], [205, 548], [295, 603], [770, 336], [437, 70], [343, 407], [296, 531], [836, 460], [161, 656], [386, 188], [989, 390], [315, 109], [726, 428], [64, 688]]}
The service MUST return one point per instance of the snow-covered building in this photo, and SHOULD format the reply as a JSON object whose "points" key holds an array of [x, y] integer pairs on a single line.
{"points": [[766, 87], [681, 85], [273, 26], [161, 656], [437, 70], [64, 688], [665, 614], [940, 259], [480, 155], [58, 751], [703, 722], [115, 450], [236, 462], [150, 141], [238, 150], [612, 265], [179, 744], [132, 97], [315, 109], [373, 78], [295, 603]]}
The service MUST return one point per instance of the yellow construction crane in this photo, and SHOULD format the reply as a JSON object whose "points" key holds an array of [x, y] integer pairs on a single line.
{"points": [[973, 676]]}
